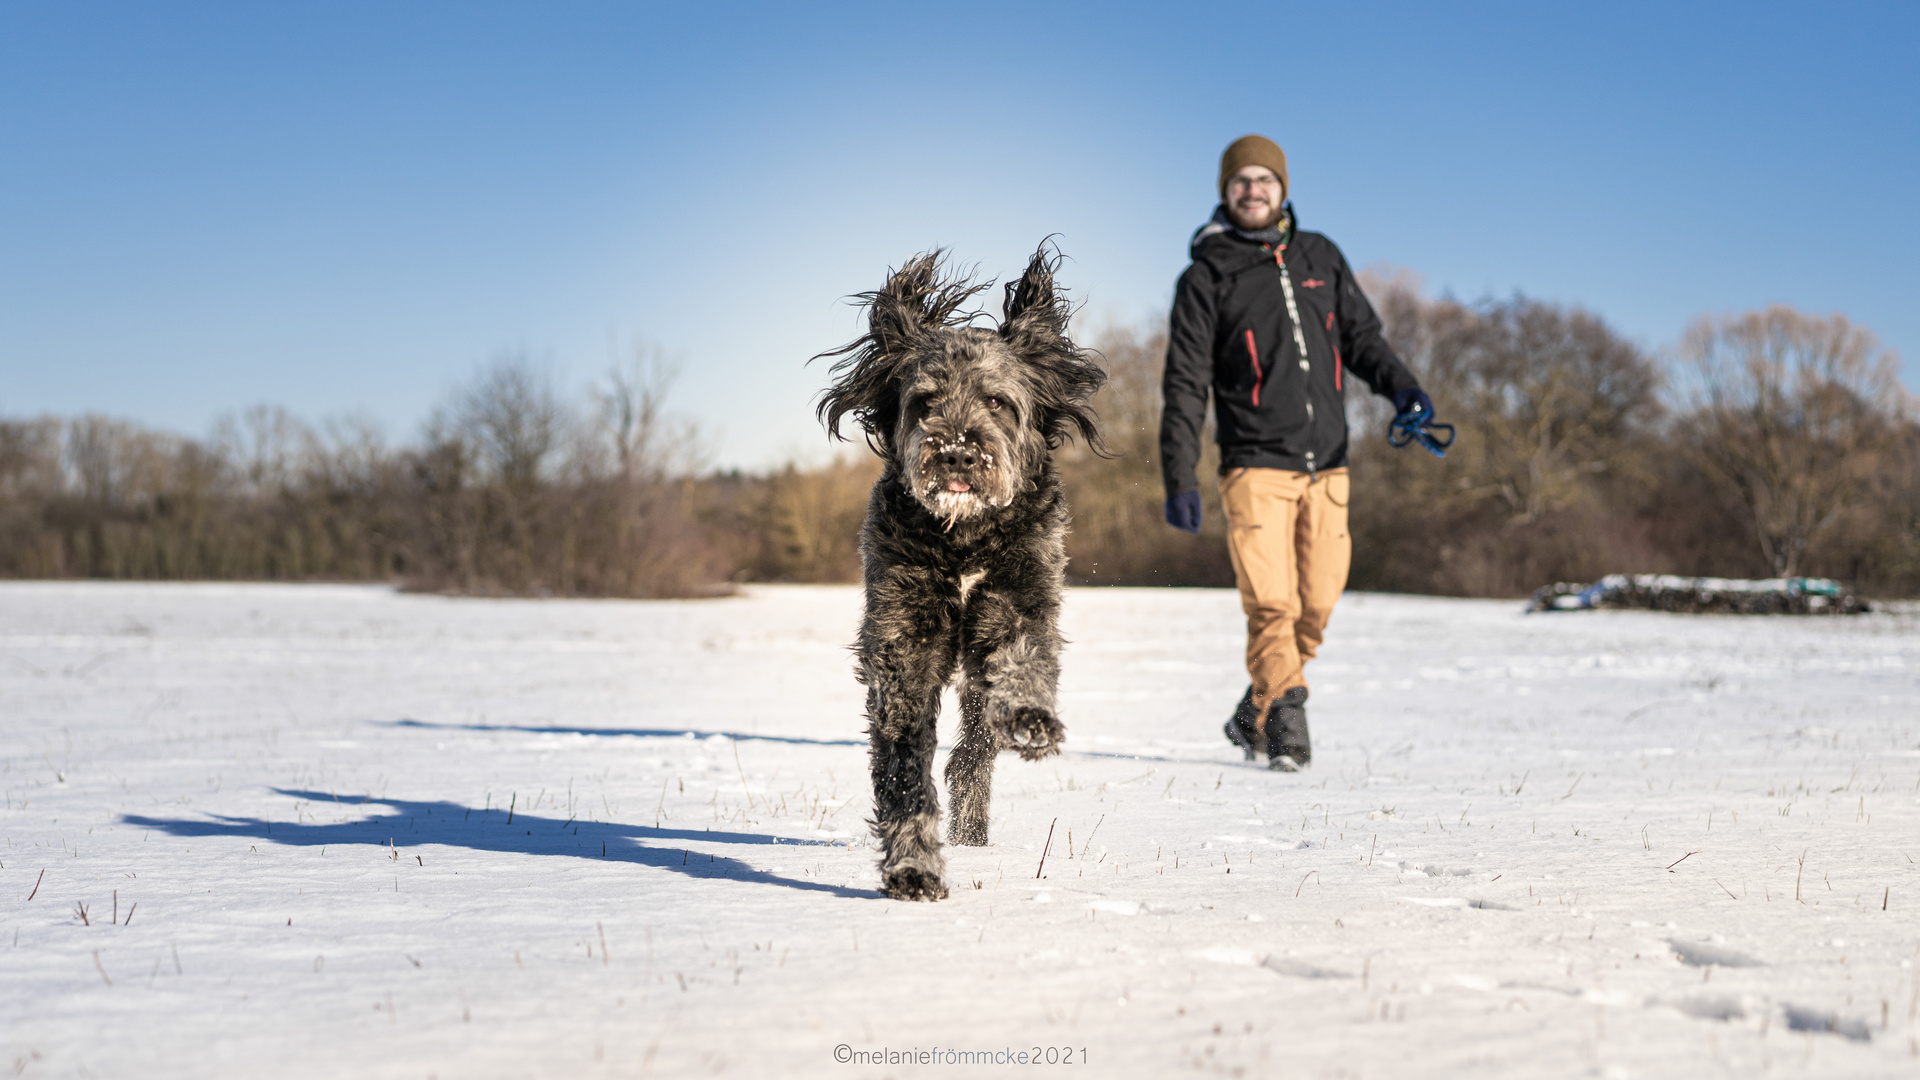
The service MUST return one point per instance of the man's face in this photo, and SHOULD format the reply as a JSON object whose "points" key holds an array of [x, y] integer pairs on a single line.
{"points": [[1253, 197]]}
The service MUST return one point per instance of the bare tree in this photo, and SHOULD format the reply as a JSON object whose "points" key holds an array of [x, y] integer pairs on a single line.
{"points": [[350, 454], [1544, 395], [512, 418], [30, 457], [1793, 413], [631, 428], [111, 461], [1558, 448], [266, 444], [1120, 535]]}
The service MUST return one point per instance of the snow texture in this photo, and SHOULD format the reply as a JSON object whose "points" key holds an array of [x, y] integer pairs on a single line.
{"points": [[319, 831]]}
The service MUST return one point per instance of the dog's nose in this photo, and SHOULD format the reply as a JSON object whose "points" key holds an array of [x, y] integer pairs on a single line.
{"points": [[959, 456]]}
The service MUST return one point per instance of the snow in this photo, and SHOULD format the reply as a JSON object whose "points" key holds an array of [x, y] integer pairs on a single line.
{"points": [[1618, 844]]}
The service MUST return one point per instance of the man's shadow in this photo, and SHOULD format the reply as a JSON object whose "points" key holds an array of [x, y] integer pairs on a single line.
{"points": [[506, 830]]}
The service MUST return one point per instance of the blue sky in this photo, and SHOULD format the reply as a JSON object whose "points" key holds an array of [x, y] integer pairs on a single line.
{"points": [[348, 208]]}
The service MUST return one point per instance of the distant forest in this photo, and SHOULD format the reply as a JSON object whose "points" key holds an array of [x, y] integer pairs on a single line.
{"points": [[1771, 443]]}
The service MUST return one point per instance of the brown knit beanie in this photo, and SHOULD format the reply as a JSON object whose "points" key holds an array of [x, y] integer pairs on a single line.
{"points": [[1254, 150]]}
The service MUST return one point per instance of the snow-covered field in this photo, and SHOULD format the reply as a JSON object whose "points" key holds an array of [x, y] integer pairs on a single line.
{"points": [[336, 831]]}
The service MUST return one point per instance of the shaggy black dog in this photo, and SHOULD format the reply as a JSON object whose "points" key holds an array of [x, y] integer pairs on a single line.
{"points": [[963, 547]]}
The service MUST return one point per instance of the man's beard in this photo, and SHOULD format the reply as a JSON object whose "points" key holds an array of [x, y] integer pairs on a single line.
{"points": [[1266, 219]]}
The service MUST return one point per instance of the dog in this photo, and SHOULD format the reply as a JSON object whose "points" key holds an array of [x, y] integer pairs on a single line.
{"points": [[963, 548]]}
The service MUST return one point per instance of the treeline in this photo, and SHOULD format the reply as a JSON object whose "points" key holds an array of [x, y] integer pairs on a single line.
{"points": [[1772, 443], [510, 490]]}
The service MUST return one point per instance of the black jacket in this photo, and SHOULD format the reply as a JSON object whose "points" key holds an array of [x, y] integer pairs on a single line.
{"points": [[1230, 332]]}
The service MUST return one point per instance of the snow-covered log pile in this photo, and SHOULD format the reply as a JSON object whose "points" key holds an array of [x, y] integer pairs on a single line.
{"points": [[1702, 595]]}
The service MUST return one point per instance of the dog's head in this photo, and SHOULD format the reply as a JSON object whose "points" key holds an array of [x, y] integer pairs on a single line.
{"points": [[967, 414]]}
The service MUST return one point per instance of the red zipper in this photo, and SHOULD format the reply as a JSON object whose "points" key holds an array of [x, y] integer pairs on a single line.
{"points": [[1253, 356], [1336, 354]]}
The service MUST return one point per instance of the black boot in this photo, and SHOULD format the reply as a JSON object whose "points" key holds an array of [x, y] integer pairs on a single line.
{"points": [[1288, 748], [1241, 731]]}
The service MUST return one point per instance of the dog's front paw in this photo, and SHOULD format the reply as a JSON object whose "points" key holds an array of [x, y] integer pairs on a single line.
{"points": [[913, 883], [1033, 731]]}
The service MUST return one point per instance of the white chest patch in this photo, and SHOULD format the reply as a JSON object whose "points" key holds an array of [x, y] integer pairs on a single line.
{"points": [[968, 581]]}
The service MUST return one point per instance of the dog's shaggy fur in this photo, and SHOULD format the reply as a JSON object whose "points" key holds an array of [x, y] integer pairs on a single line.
{"points": [[964, 543]]}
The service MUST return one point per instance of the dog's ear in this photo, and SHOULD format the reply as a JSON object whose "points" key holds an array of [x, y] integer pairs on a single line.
{"points": [[917, 298], [1065, 376]]}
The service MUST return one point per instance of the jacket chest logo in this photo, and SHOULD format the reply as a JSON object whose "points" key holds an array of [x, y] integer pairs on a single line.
{"points": [[1312, 283]]}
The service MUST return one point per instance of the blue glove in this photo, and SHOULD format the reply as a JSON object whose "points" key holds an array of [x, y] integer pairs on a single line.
{"points": [[1413, 422], [1413, 404], [1183, 512]]}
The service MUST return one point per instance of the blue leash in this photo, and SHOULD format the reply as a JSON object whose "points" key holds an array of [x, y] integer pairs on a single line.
{"points": [[1416, 425]]}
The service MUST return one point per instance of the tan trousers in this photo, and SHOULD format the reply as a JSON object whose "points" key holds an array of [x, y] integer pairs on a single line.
{"points": [[1288, 537]]}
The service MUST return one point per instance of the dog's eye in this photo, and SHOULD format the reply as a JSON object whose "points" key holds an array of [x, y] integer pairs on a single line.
{"points": [[993, 402]]}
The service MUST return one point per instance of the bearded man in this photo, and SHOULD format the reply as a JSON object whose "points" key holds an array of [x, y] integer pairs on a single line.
{"points": [[1270, 319]]}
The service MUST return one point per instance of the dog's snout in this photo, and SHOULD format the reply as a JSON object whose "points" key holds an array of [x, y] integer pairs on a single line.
{"points": [[959, 456]]}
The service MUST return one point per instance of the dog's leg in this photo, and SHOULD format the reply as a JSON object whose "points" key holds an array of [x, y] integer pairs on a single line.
{"points": [[970, 768], [1013, 641], [904, 679], [1023, 674]]}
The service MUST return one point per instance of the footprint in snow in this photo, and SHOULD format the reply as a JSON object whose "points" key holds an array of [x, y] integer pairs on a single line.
{"points": [[1703, 954], [1801, 1018], [1457, 901], [1710, 1007], [1434, 870], [1300, 969]]}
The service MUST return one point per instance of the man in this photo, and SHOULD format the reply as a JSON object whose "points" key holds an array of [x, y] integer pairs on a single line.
{"points": [[1267, 318]]}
